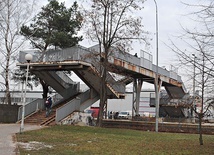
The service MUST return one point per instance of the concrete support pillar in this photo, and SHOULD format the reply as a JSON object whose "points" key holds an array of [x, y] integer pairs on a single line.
{"points": [[137, 85], [158, 85]]}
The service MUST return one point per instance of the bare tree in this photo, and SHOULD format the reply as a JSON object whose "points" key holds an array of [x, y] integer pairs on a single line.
{"points": [[13, 14], [115, 24], [198, 59]]}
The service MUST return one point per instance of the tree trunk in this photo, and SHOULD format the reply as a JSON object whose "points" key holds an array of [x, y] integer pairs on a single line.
{"points": [[103, 97], [103, 91], [45, 89], [8, 97], [200, 129]]}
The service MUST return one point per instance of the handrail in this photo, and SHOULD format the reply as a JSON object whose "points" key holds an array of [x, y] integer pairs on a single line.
{"points": [[74, 53], [76, 104], [65, 77], [80, 53], [31, 107], [36, 105], [66, 109]]}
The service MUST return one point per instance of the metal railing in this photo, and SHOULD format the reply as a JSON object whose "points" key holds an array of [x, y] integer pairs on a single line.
{"points": [[65, 77], [71, 106], [57, 99], [38, 104], [67, 109], [81, 53], [31, 107], [76, 53], [88, 98], [81, 102]]}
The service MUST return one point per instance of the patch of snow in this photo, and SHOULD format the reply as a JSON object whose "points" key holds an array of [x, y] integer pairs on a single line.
{"points": [[33, 145]]}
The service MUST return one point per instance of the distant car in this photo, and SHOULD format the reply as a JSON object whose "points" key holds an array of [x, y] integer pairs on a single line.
{"points": [[124, 115]]}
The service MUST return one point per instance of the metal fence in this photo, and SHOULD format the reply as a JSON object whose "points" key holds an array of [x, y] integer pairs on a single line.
{"points": [[31, 107], [81, 53], [38, 104], [67, 109]]}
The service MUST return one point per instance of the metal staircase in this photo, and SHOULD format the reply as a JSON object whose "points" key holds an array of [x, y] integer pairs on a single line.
{"points": [[62, 84], [61, 108], [85, 62], [59, 82], [79, 103], [81, 61]]}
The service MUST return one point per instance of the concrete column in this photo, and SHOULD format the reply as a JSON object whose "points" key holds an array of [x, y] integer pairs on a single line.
{"points": [[137, 85], [158, 85]]}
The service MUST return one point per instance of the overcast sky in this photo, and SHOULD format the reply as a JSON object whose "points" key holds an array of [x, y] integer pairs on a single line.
{"points": [[171, 15]]}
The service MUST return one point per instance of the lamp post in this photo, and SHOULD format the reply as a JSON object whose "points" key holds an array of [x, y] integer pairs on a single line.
{"points": [[28, 58], [156, 80]]}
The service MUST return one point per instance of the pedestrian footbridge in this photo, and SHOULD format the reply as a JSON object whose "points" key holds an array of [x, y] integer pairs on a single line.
{"points": [[85, 63]]}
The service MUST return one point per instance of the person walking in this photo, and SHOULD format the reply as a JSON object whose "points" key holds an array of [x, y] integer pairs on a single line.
{"points": [[48, 105]]}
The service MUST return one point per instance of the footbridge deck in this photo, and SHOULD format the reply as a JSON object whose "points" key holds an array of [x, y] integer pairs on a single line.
{"points": [[85, 62], [79, 59]]}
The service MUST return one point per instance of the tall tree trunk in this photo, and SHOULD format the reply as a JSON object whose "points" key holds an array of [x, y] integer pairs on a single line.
{"points": [[8, 55], [200, 114], [45, 89], [103, 97], [200, 129], [103, 92], [8, 96]]}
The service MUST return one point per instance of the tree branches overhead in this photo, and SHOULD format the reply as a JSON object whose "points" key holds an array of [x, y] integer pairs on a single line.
{"points": [[115, 23]]}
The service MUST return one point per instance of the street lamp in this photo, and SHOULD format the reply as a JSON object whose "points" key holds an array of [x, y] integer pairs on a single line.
{"points": [[28, 58], [156, 80]]}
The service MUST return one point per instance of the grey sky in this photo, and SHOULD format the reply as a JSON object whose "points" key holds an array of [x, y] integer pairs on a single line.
{"points": [[171, 15]]}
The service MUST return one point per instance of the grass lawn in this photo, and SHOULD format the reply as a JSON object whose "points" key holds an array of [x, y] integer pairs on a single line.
{"points": [[78, 140]]}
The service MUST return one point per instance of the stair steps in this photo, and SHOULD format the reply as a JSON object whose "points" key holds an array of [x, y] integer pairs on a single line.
{"points": [[39, 118]]}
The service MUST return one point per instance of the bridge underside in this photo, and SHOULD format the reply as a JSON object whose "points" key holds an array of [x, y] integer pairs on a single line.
{"points": [[83, 70]]}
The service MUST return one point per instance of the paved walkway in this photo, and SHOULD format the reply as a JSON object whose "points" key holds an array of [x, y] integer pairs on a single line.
{"points": [[7, 139]]}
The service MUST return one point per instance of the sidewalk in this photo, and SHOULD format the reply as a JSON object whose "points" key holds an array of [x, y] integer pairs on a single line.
{"points": [[7, 139]]}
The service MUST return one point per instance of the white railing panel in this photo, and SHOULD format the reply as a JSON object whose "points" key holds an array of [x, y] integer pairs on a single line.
{"points": [[67, 109]]}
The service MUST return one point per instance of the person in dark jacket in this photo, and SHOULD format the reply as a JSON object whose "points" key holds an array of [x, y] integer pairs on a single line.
{"points": [[48, 105]]}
